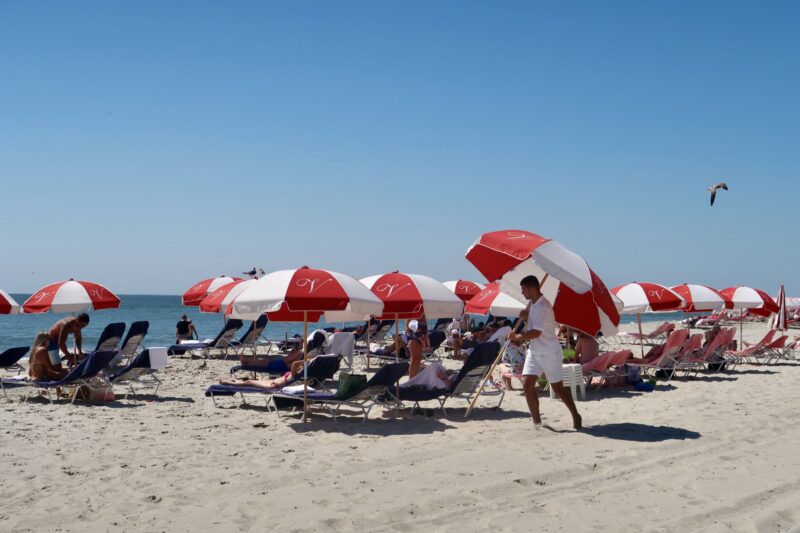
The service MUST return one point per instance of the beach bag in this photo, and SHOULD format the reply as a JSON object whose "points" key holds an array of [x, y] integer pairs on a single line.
{"points": [[99, 390], [348, 383]]}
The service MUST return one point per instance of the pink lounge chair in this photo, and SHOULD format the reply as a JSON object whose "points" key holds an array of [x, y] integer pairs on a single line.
{"points": [[665, 361], [774, 350], [735, 357], [605, 366]]}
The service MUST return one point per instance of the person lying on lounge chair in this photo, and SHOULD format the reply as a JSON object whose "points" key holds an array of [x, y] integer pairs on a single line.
{"points": [[432, 376], [296, 367], [41, 368], [586, 348]]}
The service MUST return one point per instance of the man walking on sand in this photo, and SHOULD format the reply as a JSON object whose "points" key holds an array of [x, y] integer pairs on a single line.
{"points": [[544, 351]]}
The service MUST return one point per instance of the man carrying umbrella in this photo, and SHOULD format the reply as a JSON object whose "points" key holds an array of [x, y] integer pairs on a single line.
{"points": [[544, 351], [58, 334]]}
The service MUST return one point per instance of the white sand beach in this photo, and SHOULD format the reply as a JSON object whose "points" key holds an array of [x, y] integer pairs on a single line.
{"points": [[715, 453]]}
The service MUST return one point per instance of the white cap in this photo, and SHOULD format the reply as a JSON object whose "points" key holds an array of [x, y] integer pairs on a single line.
{"points": [[413, 325]]}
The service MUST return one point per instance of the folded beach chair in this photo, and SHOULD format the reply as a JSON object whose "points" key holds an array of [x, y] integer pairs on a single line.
{"points": [[79, 376], [374, 392], [221, 342], [319, 369], [251, 336], [466, 383], [141, 369], [133, 341], [9, 361], [110, 337], [666, 361]]}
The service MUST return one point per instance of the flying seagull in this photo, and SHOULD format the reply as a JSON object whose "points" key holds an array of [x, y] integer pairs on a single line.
{"points": [[713, 190], [252, 273]]}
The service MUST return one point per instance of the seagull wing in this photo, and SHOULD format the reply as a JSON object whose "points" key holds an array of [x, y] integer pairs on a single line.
{"points": [[713, 195], [724, 186]]}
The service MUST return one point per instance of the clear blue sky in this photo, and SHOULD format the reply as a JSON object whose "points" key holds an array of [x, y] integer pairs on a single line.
{"points": [[146, 145]]}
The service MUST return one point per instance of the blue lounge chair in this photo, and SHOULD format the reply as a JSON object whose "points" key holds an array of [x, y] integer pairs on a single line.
{"points": [[466, 383], [372, 393], [9, 360], [79, 376], [110, 337], [221, 342], [251, 336], [139, 370], [319, 369], [133, 341]]}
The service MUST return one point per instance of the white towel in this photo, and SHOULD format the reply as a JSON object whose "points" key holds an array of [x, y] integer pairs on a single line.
{"points": [[343, 344], [295, 389]]}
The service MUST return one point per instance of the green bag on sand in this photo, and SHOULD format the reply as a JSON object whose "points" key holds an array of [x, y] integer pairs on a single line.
{"points": [[348, 383]]}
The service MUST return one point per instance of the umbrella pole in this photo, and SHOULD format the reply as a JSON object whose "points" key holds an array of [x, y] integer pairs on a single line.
{"points": [[496, 362], [305, 366], [641, 338], [397, 354], [741, 328]]}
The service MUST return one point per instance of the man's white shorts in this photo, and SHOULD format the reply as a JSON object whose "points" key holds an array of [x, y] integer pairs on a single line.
{"points": [[549, 365]]}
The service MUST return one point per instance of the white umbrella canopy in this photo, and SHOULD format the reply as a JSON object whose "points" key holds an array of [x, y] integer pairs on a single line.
{"points": [[699, 298], [579, 297], [493, 300], [464, 289], [742, 297], [8, 306], [71, 296], [645, 297], [413, 295], [306, 290]]}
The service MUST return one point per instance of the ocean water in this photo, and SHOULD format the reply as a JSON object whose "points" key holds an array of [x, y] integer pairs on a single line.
{"points": [[163, 312]]}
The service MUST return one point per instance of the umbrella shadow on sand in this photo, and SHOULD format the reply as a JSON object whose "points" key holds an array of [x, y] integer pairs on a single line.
{"points": [[374, 426], [634, 432]]}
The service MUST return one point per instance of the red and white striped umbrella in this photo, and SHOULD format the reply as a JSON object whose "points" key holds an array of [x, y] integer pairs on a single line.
{"points": [[699, 298], [8, 306], [493, 300], [464, 289], [580, 298], [748, 298], [71, 296], [780, 319], [646, 297], [305, 290], [413, 295], [201, 289], [222, 300]]}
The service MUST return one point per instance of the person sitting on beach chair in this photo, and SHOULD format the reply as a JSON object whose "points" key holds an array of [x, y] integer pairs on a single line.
{"points": [[586, 348], [430, 377], [40, 367]]}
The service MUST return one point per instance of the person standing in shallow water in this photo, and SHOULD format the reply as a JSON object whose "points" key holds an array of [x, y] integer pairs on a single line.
{"points": [[544, 351], [184, 329]]}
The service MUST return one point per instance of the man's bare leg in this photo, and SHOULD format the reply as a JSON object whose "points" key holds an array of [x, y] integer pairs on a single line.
{"points": [[529, 386], [566, 397]]}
